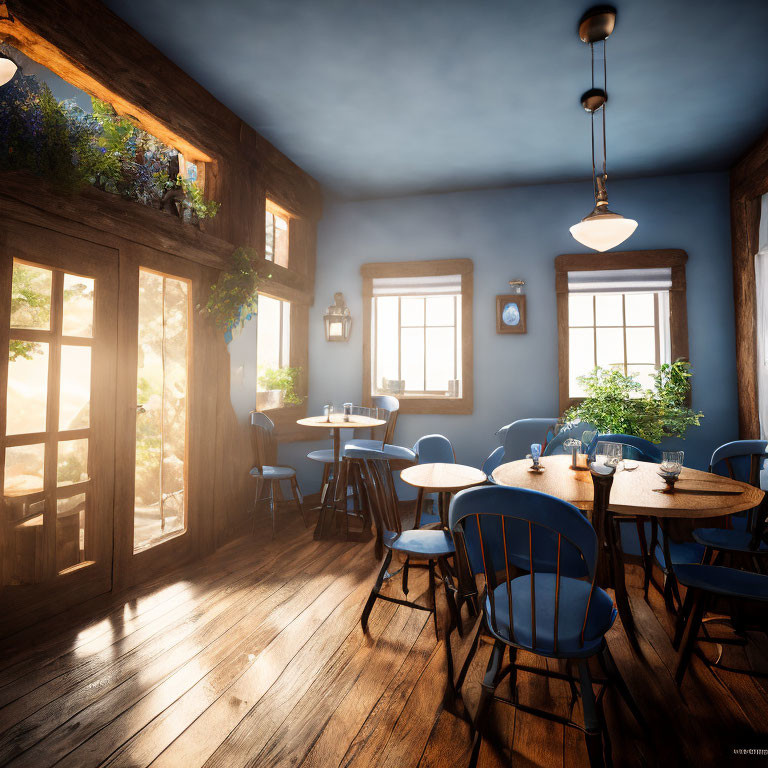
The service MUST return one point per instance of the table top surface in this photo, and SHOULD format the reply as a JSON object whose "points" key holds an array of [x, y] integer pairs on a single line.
{"points": [[337, 422], [637, 492], [442, 477]]}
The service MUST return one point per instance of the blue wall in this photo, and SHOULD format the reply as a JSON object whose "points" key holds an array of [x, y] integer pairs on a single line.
{"points": [[516, 234]]}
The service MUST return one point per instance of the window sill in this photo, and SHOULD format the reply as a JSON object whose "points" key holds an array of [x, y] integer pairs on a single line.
{"points": [[435, 405]]}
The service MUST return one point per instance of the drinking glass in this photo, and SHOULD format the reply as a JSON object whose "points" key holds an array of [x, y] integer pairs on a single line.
{"points": [[672, 463], [609, 454]]}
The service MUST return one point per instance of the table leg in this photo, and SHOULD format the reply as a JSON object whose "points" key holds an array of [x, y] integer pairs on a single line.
{"points": [[619, 583], [328, 507]]}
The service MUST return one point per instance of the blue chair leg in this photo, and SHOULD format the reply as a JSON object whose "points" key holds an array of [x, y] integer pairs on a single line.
{"points": [[375, 591], [592, 726], [688, 644], [486, 697]]}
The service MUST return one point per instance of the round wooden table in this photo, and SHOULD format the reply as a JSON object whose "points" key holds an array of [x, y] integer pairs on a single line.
{"points": [[442, 479], [336, 424], [640, 494]]}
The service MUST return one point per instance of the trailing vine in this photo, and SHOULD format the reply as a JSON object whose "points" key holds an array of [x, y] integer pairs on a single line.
{"points": [[233, 299]]}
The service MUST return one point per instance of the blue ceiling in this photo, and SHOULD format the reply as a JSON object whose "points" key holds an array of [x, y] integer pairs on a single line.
{"points": [[380, 97]]}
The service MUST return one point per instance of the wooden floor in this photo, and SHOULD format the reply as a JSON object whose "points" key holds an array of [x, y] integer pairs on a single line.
{"points": [[255, 657]]}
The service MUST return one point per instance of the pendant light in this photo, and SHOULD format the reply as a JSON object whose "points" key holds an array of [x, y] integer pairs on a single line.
{"points": [[602, 228], [8, 69]]}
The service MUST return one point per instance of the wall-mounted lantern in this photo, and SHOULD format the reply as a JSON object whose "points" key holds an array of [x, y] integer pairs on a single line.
{"points": [[338, 320]]}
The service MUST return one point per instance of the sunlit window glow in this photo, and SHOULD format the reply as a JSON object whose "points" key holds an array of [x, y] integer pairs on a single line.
{"points": [[625, 331]]}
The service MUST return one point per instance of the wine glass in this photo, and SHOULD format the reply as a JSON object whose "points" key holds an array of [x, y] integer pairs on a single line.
{"points": [[671, 466]]}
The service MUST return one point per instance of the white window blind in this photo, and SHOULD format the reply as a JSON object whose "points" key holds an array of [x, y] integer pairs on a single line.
{"points": [[620, 281], [761, 285], [429, 285]]}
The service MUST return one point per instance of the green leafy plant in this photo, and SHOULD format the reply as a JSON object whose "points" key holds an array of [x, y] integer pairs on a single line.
{"points": [[233, 298], [72, 148], [284, 379], [616, 403]]}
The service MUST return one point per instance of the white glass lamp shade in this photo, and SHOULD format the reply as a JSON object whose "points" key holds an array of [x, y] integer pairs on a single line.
{"points": [[603, 229], [7, 69]]}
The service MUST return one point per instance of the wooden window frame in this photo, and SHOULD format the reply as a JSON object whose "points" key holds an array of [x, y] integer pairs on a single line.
{"points": [[275, 210], [674, 259], [425, 404]]}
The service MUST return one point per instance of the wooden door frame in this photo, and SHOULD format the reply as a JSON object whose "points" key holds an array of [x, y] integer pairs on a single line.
{"points": [[130, 567], [52, 248]]}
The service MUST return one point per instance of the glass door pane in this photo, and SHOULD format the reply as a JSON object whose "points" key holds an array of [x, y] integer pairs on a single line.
{"points": [[161, 413], [47, 481]]}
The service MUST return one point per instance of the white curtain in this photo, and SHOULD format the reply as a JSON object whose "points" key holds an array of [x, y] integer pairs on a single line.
{"points": [[761, 284]]}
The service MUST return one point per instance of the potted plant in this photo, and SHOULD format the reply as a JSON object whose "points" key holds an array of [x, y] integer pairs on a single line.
{"points": [[279, 388], [618, 404]]}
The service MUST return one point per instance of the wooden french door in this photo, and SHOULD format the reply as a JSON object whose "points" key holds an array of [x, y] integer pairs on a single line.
{"points": [[58, 340], [156, 524]]}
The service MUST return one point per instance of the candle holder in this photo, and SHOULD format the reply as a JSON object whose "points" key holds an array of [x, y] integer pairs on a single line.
{"points": [[535, 456]]}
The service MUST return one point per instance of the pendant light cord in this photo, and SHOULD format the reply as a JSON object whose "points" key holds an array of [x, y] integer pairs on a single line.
{"points": [[605, 104], [592, 125]]}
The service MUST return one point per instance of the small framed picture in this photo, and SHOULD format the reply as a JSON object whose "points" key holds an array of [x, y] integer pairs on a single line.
{"points": [[510, 313]]}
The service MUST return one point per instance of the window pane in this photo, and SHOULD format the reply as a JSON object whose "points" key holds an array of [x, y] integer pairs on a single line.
{"points": [[412, 358], [24, 469], [411, 311], [580, 309], [72, 462], [70, 531], [281, 241], [285, 354], [267, 338], [27, 398], [77, 317], [641, 345], [75, 393], [610, 347], [440, 358], [269, 245], [581, 357], [640, 309], [386, 341], [31, 297], [161, 422], [440, 310], [608, 310], [644, 374]]}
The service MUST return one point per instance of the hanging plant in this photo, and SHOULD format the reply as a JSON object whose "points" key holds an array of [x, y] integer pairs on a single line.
{"points": [[233, 299]]}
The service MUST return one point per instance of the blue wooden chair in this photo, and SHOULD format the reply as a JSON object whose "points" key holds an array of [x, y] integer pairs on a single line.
{"points": [[426, 548], [267, 475], [431, 449], [742, 460], [516, 440], [538, 557], [705, 584], [555, 446]]}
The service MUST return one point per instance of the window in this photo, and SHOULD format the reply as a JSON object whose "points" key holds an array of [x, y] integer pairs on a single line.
{"points": [[417, 339], [273, 350], [630, 318], [276, 243]]}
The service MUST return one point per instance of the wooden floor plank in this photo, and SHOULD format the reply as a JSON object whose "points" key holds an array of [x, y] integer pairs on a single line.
{"points": [[255, 657]]}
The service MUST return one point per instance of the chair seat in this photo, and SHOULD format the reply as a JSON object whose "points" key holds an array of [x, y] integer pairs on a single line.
{"points": [[732, 540], [274, 473], [390, 451], [574, 596], [724, 581], [681, 553], [324, 455], [420, 543]]}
